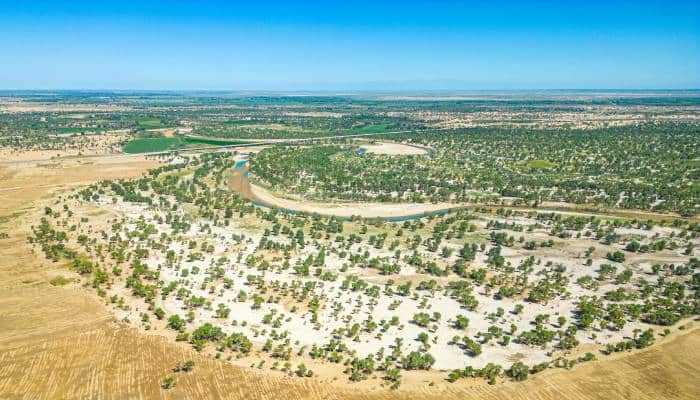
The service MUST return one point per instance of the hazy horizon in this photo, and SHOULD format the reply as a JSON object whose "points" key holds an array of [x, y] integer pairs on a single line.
{"points": [[370, 92]]}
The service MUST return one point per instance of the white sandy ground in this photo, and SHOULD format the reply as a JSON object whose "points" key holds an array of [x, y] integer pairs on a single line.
{"points": [[355, 306], [389, 148], [368, 210]]}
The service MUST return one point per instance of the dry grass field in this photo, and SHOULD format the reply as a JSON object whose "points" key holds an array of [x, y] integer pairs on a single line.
{"points": [[61, 342]]}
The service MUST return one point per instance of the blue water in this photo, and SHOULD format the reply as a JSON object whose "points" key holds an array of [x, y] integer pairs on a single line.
{"points": [[361, 150], [417, 216], [259, 204], [240, 164]]}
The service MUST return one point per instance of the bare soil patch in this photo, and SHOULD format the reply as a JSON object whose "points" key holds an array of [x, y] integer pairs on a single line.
{"points": [[389, 148]]}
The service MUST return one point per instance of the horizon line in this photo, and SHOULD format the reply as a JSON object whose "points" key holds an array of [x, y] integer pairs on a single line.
{"points": [[230, 90]]}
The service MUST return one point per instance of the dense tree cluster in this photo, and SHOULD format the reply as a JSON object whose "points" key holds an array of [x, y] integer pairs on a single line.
{"points": [[649, 166]]}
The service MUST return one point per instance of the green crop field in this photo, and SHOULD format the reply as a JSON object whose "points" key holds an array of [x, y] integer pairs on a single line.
{"points": [[540, 164], [374, 128], [149, 123], [148, 145]]}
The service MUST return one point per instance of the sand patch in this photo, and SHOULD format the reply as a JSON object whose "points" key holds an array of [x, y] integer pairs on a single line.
{"points": [[367, 210], [389, 148]]}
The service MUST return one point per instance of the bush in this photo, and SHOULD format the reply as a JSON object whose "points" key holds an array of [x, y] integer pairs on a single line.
{"points": [[518, 371], [461, 322], [168, 383], [616, 256], [176, 323], [421, 319], [417, 360]]}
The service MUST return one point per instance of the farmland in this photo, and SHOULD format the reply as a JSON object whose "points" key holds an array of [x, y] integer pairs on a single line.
{"points": [[147, 145], [158, 144]]}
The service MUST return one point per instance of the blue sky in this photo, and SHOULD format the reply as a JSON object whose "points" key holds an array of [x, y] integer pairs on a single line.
{"points": [[349, 45]]}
